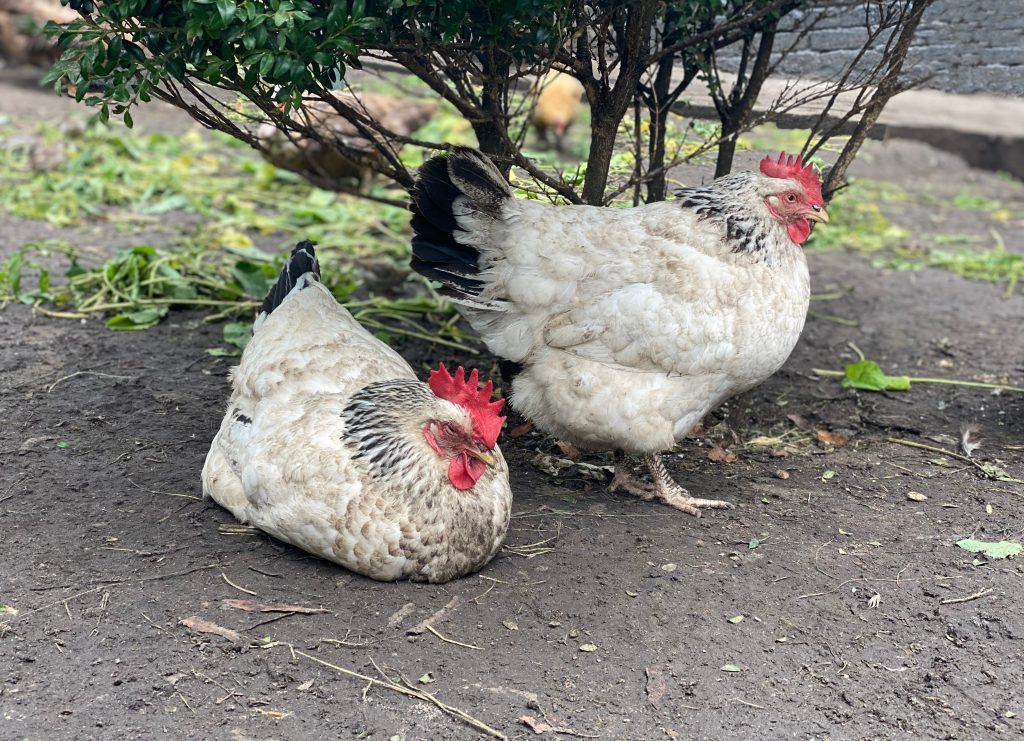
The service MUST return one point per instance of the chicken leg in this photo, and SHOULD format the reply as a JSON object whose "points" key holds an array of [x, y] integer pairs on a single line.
{"points": [[662, 486]]}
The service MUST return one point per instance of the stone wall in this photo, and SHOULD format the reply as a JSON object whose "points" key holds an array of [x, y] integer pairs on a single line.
{"points": [[963, 46]]}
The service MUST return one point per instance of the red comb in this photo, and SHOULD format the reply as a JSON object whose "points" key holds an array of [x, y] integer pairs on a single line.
{"points": [[484, 412], [791, 167]]}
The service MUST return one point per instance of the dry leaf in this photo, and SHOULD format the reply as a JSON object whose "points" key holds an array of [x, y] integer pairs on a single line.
{"points": [[697, 431], [800, 422], [521, 429], [275, 714], [205, 626], [251, 606], [916, 496], [569, 450], [721, 455], [655, 685], [539, 727], [780, 453], [830, 438], [780, 474]]}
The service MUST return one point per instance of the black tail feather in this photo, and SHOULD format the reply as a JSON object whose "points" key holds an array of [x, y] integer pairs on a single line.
{"points": [[436, 252], [302, 261]]}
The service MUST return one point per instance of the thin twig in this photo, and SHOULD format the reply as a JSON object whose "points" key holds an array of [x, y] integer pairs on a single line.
{"points": [[409, 692], [961, 600], [240, 589], [434, 630], [53, 385]]}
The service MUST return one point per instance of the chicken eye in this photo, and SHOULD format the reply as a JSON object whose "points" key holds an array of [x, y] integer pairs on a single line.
{"points": [[790, 198]]}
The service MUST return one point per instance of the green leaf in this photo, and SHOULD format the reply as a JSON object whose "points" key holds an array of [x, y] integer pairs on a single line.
{"points": [[250, 278], [222, 352], [237, 334], [63, 445], [138, 319], [226, 9], [735, 619], [995, 551], [868, 376], [731, 668], [426, 678]]}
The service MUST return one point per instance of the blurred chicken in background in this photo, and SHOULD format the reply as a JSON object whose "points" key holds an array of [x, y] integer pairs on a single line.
{"points": [[21, 37], [559, 97]]}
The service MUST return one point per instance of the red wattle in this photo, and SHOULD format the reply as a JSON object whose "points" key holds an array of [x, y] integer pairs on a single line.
{"points": [[799, 230], [464, 471]]}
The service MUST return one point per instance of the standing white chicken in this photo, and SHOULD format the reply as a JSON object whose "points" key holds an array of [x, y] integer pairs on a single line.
{"points": [[331, 444], [628, 324]]}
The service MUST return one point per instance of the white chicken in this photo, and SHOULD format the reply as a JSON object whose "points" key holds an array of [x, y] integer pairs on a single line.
{"points": [[628, 324], [331, 444]]}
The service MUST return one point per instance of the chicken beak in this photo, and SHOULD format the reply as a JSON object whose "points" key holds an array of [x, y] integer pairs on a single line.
{"points": [[480, 455], [819, 214]]}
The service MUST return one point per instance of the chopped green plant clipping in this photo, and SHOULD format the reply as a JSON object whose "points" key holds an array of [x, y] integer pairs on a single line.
{"points": [[7, 610], [866, 375], [754, 542], [588, 647], [237, 334], [63, 445], [735, 619], [828, 475], [138, 319], [731, 668], [995, 551], [426, 678]]}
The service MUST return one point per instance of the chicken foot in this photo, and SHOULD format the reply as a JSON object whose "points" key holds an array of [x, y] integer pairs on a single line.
{"points": [[624, 480], [662, 486], [673, 494]]}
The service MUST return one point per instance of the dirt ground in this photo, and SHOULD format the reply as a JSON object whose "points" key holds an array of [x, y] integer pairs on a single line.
{"points": [[602, 616]]}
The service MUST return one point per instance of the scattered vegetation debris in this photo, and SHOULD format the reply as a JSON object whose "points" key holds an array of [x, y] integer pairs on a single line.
{"points": [[655, 685], [252, 606], [587, 648], [521, 429], [7, 610], [426, 678], [569, 450], [754, 543], [782, 474], [866, 375], [510, 624], [828, 475], [994, 550], [669, 567], [830, 438], [735, 619], [275, 714], [439, 616], [731, 668], [800, 422], [540, 727], [917, 496], [199, 625], [970, 439], [718, 454]]}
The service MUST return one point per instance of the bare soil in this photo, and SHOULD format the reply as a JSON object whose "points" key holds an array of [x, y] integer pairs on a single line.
{"points": [[602, 616]]}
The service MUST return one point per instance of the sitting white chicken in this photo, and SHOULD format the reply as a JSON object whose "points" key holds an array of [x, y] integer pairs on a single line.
{"points": [[332, 444], [628, 324]]}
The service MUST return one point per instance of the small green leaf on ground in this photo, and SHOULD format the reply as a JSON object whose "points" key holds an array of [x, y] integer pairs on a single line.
{"points": [[222, 352], [7, 610], [669, 567], [587, 647], [828, 475], [995, 551], [237, 334], [63, 445], [731, 668], [735, 619], [426, 678], [868, 376], [754, 543]]}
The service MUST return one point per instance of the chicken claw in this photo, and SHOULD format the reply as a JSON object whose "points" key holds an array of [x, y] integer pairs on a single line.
{"points": [[624, 480], [673, 494]]}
